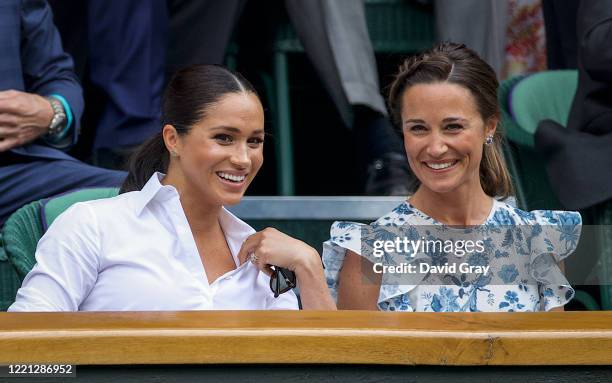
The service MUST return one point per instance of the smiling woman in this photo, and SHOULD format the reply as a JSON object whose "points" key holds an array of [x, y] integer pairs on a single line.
{"points": [[445, 103], [444, 142], [217, 161], [167, 242]]}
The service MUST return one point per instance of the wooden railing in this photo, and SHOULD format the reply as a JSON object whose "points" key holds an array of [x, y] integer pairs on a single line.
{"points": [[358, 337]]}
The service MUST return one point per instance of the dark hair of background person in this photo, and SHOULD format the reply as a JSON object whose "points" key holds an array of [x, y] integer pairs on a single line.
{"points": [[457, 64], [187, 98]]}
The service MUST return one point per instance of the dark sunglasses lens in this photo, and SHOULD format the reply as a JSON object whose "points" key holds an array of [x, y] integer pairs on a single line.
{"points": [[274, 283], [286, 279], [288, 276], [281, 281]]}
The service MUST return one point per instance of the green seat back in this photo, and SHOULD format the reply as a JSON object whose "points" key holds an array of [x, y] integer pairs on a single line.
{"points": [[9, 284], [21, 233], [524, 102], [512, 131], [9, 281], [54, 206], [541, 96]]}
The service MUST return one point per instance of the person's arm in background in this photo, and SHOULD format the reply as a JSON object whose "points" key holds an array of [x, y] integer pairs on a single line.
{"points": [[47, 72]]}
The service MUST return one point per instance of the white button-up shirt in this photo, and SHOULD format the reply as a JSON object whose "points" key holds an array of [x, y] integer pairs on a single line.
{"points": [[136, 252]]}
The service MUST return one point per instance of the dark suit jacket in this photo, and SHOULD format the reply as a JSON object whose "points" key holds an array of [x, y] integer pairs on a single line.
{"points": [[580, 157], [32, 60]]}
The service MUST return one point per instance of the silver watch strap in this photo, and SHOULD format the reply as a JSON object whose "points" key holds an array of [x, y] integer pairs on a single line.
{"points": [[58, 123]]}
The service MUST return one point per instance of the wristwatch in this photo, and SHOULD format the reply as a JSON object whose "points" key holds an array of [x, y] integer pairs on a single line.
{"points": [[58, 123]]}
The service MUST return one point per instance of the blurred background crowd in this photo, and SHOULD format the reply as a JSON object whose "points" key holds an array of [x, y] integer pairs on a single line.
{"points": [[321, 66]]}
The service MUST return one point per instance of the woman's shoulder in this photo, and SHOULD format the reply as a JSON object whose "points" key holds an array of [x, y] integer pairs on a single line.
{"points": [[507, 214], [112, 207], [554, 232], [348, 234], [86, 221], [403, 214]]}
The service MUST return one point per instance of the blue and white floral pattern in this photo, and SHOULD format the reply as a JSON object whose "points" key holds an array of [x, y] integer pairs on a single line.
{"points": [[533, 284]]}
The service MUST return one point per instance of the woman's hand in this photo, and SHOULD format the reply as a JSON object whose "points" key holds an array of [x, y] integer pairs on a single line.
{"points": [[271, 247]]}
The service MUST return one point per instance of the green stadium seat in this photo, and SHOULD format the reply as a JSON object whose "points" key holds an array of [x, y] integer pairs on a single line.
{"points": [[540, 96], [9, 280], [21, 233], [525, 101], [52, 207]]}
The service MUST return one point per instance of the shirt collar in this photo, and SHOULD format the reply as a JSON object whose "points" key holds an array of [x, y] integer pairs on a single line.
{"points": [[154, 189], [236, 231], [234, 228]]}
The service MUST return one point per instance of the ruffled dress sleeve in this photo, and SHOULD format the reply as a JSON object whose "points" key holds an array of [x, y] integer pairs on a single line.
{"points": [[344, 236], [552, 237], [347, 236]]}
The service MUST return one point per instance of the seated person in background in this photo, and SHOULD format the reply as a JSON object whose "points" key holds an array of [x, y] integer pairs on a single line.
{"points": [[166, 242], [446, 103], [40, 107], [571, 151]]}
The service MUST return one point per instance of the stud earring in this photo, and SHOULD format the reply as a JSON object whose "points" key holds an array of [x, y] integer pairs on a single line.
{"points": [[173, 153], [489, 140]]}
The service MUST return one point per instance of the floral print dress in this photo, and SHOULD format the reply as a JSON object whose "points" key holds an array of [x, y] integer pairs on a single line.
{"points": [[524, 247]]}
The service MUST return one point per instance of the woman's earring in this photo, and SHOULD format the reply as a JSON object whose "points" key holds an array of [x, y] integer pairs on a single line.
{"points": [[489, 140], [173, 153]]}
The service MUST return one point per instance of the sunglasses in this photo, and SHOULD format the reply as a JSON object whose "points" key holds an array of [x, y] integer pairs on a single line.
{"points": [[281, 280]]}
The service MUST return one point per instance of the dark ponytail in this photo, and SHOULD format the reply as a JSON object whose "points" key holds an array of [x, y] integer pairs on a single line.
{"points": [[151, 157], [186, 101]]}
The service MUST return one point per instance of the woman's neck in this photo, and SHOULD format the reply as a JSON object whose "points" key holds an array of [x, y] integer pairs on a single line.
{"points": [[460, 208], [202, 217]]}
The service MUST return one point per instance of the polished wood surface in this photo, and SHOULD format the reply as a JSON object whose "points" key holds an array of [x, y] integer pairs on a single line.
{"points": [[561, 338]]}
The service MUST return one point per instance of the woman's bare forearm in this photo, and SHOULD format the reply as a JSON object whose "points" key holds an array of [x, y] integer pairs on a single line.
{"points": [[358, 287], [314, 293]]}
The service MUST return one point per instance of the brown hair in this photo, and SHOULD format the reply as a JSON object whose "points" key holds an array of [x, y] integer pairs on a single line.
{"points": [[189, 95], [457, 64]]}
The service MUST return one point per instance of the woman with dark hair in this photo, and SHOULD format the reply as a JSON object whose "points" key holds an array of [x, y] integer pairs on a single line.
{"points": [[166, 242], [445, 102]]}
